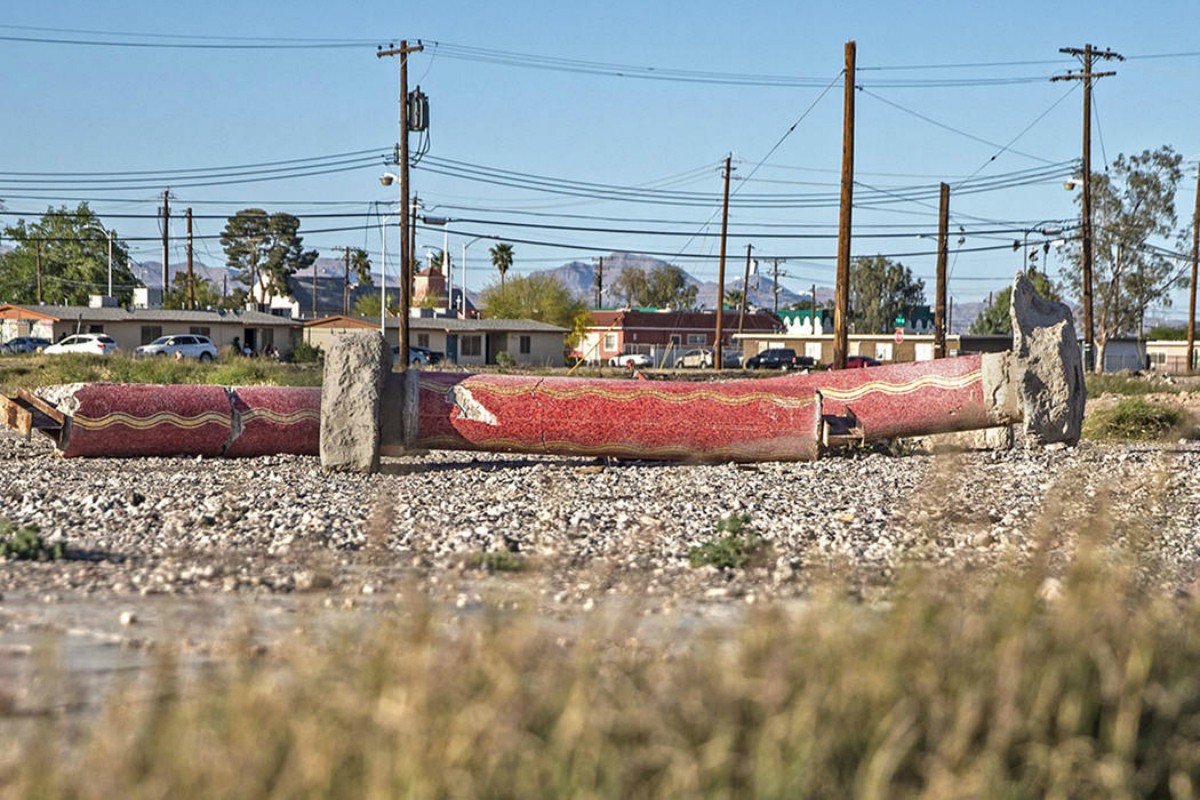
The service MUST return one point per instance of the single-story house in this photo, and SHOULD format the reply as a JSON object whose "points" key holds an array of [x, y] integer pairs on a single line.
{"points": [[465, 342], [1170, 355], [664, 334], [132, 327], [888, 348]]}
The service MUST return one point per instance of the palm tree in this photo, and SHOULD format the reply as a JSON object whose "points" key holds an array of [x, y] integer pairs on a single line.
{"points": [[502, 256]]}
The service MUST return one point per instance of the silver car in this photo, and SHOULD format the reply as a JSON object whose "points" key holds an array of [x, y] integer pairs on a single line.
{"points": [[180, 345]]}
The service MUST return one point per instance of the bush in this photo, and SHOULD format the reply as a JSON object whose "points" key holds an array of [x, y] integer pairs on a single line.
{"points": [[731, 551], [26, 543], [505, 360], [305, 353], [1133, 419]]}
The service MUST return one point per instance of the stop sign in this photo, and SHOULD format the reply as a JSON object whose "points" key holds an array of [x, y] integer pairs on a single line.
{"points": [[899, 335]]}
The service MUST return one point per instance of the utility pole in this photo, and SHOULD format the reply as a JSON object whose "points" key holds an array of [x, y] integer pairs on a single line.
{"points": [[166, 239], [841, 295], [939, 308], [745, 286], [600, 282], [191, 278], [346, 281], [1191, 346], [718, 350], [314, 289], [39, 271], [775, 282], [813, 297], [1087, 54], [405, 260]]}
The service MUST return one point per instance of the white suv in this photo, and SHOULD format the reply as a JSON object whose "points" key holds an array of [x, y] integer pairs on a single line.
{"points": [[186, 345], [97, 344]]}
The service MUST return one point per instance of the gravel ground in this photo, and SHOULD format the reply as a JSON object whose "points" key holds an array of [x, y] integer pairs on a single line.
{"points": [[579, 530]]}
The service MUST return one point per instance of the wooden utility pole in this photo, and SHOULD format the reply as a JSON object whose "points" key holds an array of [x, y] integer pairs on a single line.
{"points": [[745, 288], [841, 295], [813, 297], [346, 281], [314, 290], [1191, 345], [166, 240], [718, 353], [600, 282], [939, 308], [191, 277], [1087, 54], [405, 260]]}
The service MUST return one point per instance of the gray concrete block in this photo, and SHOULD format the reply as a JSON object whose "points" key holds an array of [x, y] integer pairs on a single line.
{"points": [[352, 389], [1048, 366]]}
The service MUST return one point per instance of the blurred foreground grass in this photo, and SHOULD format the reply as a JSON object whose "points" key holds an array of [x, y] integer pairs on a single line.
{"points": [[1075, 682], [39, 370]]}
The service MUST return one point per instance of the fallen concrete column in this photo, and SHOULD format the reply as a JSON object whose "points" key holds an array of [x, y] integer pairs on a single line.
{"points": [[366, 410], [99, 419]]}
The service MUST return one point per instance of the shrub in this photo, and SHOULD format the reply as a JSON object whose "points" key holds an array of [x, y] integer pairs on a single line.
{"points": [[26, 543], [731, 551], [1133, 419], [305, 353]]}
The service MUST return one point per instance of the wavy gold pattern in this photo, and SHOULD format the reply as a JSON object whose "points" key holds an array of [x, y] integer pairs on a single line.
{"points": [[898, 389], [279, 418], [152, 421]]}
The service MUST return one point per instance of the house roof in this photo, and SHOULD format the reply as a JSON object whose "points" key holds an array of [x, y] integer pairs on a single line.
{"points": [[447, 324], [119, 314]]}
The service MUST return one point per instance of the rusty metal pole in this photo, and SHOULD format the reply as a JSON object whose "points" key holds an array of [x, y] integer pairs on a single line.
{"points": [[745, 289], [841, 308]]}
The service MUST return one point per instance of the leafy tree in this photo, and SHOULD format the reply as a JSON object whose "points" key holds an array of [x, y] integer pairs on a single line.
{"points": [[880, 291], [205, 293], [538, 297], [733, 297], [502, 258], [1133, 203], [266, 249], [74, 260], [995, 318], [1167, 333], [631, 284]]}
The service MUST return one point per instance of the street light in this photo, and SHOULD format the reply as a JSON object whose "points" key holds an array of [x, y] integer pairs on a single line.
{"points": [[463, 288], [108, 235]]}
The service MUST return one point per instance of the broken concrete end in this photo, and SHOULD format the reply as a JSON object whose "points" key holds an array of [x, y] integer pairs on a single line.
{"points": [[1047, 366], [356, 367]]}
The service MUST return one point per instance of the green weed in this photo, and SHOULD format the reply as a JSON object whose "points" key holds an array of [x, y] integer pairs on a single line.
{"points": [[26, 544], [1133, 419], [733, 550]]}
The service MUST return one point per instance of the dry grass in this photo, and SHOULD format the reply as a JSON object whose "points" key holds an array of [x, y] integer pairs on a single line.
{"points": [[1078, 683]]}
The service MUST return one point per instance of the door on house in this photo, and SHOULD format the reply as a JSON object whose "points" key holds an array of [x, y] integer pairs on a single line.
{"points": [[452, 347]]}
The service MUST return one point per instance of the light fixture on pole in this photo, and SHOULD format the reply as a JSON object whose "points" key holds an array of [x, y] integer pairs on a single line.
{"points": [[109, 235], [463, 287]]}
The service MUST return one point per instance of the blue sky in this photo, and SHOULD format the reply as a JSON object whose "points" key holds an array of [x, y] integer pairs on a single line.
{"points": [[557, 94]]}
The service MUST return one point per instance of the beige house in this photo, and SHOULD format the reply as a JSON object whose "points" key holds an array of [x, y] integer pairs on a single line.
{"points": [[132, 327], [1171, 356], [466, 342], [887, 348]]}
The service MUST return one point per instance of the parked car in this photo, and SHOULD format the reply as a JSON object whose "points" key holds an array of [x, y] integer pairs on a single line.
{"points": [[858, 362], [96, 344], [187, 345], [780, 358], [701, 357], [24, 344], [627, 360], [431, 356], [417, 356]]}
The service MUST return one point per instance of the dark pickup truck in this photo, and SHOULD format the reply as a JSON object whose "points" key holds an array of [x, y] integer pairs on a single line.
{"points": [[779, 358]]}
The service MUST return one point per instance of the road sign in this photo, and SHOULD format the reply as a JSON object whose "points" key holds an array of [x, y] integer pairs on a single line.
{"points": [[899, 335]]}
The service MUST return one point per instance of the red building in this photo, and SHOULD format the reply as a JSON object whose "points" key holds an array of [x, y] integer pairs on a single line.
{"points": [[663, 335]]}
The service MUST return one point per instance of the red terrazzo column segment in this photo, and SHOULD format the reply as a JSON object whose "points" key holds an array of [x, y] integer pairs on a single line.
{"points": [[142, 420], [276, 419]]}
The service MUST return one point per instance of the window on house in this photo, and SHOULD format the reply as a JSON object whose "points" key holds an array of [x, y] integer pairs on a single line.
{"points": [[96, 329], [525, 345], [610, 342], [697, 338], [676, 339], [200, 330], [150, 333], [471, 345], [422, 340]]}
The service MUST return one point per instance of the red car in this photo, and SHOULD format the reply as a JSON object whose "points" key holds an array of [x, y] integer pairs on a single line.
{"points": [[857, 362]]}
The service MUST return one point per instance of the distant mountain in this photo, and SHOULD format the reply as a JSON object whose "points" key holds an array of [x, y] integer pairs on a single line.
{"points": [[580, 276]]}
